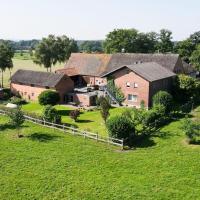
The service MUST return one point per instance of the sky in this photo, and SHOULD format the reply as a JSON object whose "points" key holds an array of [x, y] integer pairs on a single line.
{"points": [[94, 19]]}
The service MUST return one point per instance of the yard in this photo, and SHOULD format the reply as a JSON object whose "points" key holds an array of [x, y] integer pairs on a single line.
{"points": [[47, 164], [88, 120]]}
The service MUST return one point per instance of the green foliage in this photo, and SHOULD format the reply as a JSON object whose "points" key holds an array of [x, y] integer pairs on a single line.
{"points": [[17, 100], [184, 49], [115, 91], [192, 130], [142, 104], [91, 46], [195, 58], [105, 107], [16, 118], [6, 94], [54, 49], [130, 41], [48, 97], [195, 38], [50, 114], [165, 41], [120, 127], [163, 98], [6, 55], [120, 39], [74, 114], [186, 87]]}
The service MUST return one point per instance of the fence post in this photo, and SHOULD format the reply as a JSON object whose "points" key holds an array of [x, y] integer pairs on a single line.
{"points": [[84, 134], [122, 144], [44, 121], [63, 128], [97, 137]]}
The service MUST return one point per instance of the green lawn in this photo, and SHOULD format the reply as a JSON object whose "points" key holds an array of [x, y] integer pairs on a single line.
{"points": [[22, 63], [88, 120], [47, 164]]}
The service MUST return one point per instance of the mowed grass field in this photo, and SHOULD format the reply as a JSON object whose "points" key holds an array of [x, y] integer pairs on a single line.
{"points": [[47, 164], [24, 62], [88, 120]]}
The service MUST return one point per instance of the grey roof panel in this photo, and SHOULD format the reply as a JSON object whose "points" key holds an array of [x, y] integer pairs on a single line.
{"points": [[44, 79]]}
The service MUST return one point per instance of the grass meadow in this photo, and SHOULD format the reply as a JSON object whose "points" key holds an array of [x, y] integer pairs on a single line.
{"points": [[48, 164], [88, 120]]}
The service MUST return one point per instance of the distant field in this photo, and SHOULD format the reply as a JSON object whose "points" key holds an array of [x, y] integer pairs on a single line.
{"points": [[24, 62]]}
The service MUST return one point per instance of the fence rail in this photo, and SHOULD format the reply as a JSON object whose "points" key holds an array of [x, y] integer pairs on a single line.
{"points": [[73, 131]]}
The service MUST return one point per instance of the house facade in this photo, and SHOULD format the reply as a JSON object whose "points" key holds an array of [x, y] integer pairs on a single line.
{"points": [[139, 82], [29, 84], [139, 76], [94, 70]]}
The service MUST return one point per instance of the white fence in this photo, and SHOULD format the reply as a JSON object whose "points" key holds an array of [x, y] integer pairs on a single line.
{"points": [[73, 131]]}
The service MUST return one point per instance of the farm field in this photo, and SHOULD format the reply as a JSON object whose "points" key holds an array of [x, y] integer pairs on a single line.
{"points": [[88, 120], [47, 164], [24, 62]]}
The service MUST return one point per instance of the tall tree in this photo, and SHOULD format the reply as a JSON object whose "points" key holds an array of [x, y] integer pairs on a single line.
{"points": [[121, 40], [165, 41], [195, 58], [17, 119], [53, 49], [184, 49], [195, 38], [91, 46], [6, 55], [146, 42]]}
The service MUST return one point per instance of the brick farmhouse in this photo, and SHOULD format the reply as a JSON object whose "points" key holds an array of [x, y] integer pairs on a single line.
{"points": [[29, 84], [139, 76]]}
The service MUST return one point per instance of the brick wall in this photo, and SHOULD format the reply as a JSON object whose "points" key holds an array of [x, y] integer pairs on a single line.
{"points": [[138, 86], [26, 92], [31, 93]]}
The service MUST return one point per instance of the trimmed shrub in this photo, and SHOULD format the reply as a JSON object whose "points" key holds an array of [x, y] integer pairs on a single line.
{"points": [[120, 127], [17, 100], [50, 114], [74, 114], [6, 94], [49, 97], [192, 130], [163, 98], [105, 107]]}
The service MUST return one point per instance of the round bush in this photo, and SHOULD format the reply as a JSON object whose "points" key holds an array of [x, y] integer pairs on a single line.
{"points": [[163, 98], [49, 97], [51, 114], [120, 127]]}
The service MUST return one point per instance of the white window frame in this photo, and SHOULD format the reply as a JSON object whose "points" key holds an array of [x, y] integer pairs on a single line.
{"points": [[134, 98]]}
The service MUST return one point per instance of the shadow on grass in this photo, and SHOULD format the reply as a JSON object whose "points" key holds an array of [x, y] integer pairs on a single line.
{"points": [[9, 126], [43, 137], [64, 112], [141, 142], [84, 121]]}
